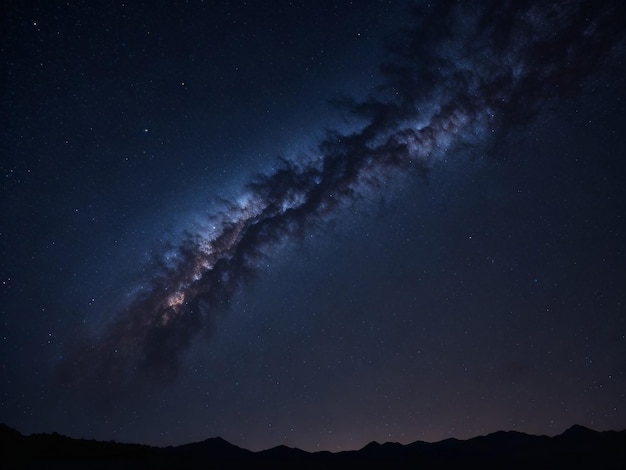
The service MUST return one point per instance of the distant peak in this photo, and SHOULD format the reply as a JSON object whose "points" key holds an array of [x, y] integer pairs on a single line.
{"points": [[578, 430], [371, 445], [213, 443], [283, 450]]}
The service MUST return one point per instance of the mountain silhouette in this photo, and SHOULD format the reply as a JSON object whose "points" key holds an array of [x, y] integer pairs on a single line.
{"points": [[577, 447], [215, 447]]}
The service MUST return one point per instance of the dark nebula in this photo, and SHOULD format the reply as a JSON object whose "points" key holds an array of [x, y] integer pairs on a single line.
{"points": [[460, 76]]}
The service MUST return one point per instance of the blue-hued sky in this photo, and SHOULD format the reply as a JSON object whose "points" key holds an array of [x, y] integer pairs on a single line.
{"points": [[314, 224]]}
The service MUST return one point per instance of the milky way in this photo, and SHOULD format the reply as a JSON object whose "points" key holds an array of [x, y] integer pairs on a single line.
{"points": [[457, 79]]}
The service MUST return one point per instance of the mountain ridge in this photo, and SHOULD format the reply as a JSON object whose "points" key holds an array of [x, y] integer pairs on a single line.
{"points": [[576, 447]]}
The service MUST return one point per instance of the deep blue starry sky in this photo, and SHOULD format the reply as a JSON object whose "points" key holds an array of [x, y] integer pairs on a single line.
{"points": [[315, 224]]}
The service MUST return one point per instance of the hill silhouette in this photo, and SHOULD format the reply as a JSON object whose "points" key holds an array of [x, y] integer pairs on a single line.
{"points": [[577, 447]]}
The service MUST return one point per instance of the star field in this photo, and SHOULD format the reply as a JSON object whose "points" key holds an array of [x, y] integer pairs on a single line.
{"points": [[315, 225]]}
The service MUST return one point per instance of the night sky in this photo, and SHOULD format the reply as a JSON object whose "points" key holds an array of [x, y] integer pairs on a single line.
{"points": [[315, 224]]}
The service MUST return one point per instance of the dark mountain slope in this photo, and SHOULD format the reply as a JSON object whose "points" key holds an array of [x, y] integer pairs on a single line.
{"points": [[578, 447]]}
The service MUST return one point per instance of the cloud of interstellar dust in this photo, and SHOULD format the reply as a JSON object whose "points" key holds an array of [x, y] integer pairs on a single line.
{"points": [[462, 75]]}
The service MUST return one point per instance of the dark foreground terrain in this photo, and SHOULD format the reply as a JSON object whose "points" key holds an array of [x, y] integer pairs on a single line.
{"points": [[578, 447]]}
